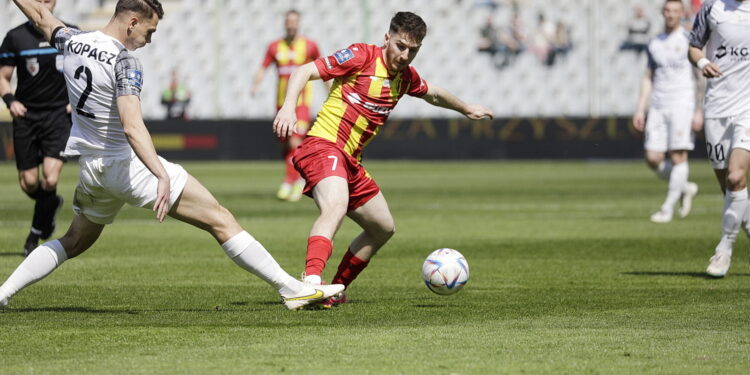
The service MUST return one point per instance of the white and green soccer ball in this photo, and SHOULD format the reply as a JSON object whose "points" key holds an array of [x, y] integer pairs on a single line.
{"points": [[445, 271]]}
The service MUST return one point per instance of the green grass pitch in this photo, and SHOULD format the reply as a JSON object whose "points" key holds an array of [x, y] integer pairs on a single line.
{"points": [[568, 276]]}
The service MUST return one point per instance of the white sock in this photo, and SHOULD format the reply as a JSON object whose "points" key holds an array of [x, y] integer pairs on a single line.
{"points": [[313, 279], [664, 169], [735, 206], [40, 263], [249, 254], [678, 180]]}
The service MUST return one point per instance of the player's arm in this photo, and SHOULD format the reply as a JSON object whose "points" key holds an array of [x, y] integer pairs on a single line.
{"points": [[700, 93], [440, 97], [16, 108], [39, 16], [283, 124], [257, 79], [129, 108], [699, 60], [639, 118]]}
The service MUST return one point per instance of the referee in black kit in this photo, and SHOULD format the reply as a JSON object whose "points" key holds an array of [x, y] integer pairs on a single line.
{"points": [[41, 120]]}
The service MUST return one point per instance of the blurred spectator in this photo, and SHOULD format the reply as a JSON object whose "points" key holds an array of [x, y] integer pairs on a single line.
{"points": [[511, 42], [488, 37], [176, 98], [542, 39], [561, 43], [638, 32]]}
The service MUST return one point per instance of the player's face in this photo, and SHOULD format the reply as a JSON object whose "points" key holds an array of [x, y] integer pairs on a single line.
{"points": [[400, 51], [141, 30], [672, 12], [291, 24], [49, 4]]}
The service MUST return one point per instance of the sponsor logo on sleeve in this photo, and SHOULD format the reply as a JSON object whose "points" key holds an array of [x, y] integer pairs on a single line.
{"points": [[343, 55], [135, 78]]}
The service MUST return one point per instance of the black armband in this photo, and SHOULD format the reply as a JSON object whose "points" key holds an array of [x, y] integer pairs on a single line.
{"points": [[9, 98]]}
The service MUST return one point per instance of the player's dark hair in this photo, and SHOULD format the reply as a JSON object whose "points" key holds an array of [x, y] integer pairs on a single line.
{"points": [[143, 7], [410, 24]]}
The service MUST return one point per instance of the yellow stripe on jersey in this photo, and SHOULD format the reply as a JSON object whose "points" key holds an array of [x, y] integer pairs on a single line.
{"points": [[282, 53], [300, 51], [327, 124], [352, 144], [376, 83], [396, 86], [281, 91]]}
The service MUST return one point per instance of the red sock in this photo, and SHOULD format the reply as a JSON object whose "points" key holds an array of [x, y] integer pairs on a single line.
{"points": [[349, 269], [319, 250], [291, 174]]}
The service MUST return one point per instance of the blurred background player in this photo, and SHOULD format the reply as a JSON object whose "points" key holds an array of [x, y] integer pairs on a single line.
{"points": [[287, 54], [118, 163], [41, 120], [723, 27], [671, 120], [368, 82], [175, 98]]}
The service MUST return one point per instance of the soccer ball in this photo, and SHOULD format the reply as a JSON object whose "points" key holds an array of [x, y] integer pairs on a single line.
{"points": [[445, 271]]}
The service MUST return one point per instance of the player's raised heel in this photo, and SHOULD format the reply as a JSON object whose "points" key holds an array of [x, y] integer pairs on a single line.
{"points": [[719, 264], [284, 191], [311, 293], [296, 192], [686, 201], [661, 217]]}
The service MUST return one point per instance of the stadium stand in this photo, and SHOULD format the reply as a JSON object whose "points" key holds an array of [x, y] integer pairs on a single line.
{"points": [[216, 45]]}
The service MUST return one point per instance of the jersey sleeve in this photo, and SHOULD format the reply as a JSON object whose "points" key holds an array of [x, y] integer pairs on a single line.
{"points": [[62, 35], [7, 52], [701, 31], [268, 59], [417, 85], [344, 62], [651, 64], [128, 75]]}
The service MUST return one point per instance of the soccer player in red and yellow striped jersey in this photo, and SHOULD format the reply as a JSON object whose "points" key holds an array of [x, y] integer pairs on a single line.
{"points": [[368, 82], [287, 54]]}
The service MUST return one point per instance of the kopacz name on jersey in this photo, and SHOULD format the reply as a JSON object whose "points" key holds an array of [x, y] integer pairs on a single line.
{"points": [[84, 49]]}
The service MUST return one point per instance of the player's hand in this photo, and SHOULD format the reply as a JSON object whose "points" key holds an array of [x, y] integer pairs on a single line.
{"points": [[712, 71], [639, 121], [68, 108], [17, 109], [285, 122], [161, 206], [478, 112], [697, 123]]}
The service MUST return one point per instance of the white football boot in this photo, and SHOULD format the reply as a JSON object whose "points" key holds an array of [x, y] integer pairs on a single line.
{"points": [[661, 216], [311, 293], [719, 264], [686, 200]]}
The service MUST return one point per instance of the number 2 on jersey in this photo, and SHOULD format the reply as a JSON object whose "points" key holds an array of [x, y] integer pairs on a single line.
{"points": [[86, 91]]}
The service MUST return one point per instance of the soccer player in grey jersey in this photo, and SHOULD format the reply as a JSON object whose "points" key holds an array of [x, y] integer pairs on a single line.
{"points": [[118, 163], [669, 83], [723, 28]]}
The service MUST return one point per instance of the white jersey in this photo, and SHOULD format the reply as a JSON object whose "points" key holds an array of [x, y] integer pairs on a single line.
{"points": [[97, 70], [673, 80], [723, 26]]}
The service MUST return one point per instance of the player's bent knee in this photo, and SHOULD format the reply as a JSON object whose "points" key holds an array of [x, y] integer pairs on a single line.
{"points": [[736, 180]]}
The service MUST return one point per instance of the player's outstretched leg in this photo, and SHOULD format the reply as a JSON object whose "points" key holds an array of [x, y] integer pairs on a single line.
{"points": [[50, 255], [331, 195], [376, 220], [197, 206]]}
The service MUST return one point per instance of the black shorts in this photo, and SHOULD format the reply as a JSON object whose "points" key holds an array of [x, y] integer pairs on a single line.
{"points": [[40, 134]]}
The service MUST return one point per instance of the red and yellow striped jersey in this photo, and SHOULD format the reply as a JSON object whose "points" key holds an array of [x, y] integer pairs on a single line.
{"points": [[287, 57], [362, 96]]}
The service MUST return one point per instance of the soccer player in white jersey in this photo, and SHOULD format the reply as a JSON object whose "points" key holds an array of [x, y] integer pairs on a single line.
{"points": [[723, 27], [118, 163], [672, 118]]}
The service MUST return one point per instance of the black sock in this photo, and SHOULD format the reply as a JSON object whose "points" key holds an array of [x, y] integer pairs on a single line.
{"points": [[47, 205]]}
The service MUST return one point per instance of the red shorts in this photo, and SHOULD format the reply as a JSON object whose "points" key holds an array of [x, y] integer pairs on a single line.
{"points": [[318, 158]]}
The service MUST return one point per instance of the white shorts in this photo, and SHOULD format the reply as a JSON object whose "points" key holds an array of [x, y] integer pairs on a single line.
{"points": [[723, 135], [106, 183], [669, 129]]}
